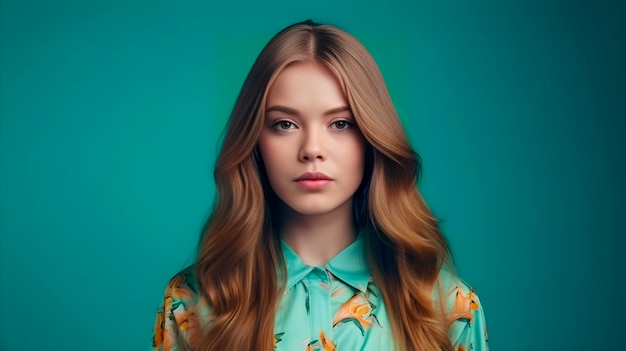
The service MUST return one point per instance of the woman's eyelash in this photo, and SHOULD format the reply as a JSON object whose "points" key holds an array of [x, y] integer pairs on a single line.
{"points": [[345, 124], [283, 124], [340, 124]]}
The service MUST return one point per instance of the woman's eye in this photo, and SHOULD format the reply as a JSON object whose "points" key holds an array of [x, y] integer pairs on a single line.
{"points": [[341, 124], [283, 125]]}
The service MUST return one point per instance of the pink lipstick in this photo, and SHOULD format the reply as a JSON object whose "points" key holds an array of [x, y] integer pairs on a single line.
{"points": [[313, 180]]}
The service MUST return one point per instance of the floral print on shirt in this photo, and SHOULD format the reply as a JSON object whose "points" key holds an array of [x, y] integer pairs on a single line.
{"points": [[323, 344], [357, 310], [330, 308]]}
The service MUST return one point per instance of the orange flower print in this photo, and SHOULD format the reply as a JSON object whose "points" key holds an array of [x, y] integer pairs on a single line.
{"points": [[178, 310], [278, 338], [464, 305], [323, 344], [176, 288], [188, 323], [177, 281], [169, 341], [461, 348], [357, 310], [162, 338], [337, 291], [157, 338]]}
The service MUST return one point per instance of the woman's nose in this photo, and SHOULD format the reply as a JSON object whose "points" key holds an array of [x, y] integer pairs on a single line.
{"points": [[312, 146]]}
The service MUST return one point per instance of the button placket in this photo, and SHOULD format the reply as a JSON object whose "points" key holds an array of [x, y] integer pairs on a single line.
{"points": [[319, 290]]}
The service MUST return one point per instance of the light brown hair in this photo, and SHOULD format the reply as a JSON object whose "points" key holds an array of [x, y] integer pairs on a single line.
{"points": [[239, 256]]}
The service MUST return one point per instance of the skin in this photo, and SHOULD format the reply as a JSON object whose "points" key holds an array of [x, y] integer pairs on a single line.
{"points": [[310, 128]]}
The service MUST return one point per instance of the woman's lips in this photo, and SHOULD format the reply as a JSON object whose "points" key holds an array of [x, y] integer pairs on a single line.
{"points": [[313, 184], [313, 180]]}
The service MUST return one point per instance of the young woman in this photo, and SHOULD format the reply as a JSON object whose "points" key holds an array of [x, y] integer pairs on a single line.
{"points": [[319, 238]]}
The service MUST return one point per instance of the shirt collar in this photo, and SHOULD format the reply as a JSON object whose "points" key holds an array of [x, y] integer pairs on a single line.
{"points": [[350, 265]]}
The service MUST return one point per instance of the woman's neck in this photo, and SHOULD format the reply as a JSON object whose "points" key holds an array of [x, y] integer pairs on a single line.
{"points": [[318, 238]]}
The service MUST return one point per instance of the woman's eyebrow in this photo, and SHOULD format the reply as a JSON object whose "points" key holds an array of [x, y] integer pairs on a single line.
{"points": [[337, 110], [294, 112], [284, 109]]}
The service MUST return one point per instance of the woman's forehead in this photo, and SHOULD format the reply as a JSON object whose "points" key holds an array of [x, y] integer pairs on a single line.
{"points": [[306, 85]]}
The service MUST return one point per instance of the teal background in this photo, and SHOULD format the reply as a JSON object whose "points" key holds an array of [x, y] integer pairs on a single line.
{"points": [[111, 113]]}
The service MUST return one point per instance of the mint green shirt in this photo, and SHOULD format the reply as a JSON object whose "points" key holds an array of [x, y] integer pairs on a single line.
{"points": [[332, 307]]}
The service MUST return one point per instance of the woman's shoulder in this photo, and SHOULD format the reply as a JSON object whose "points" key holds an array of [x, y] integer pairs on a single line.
{"points": [[464, 311], [182, 292], [450, 281], [182, 315], [183, 283], [460, 298]]}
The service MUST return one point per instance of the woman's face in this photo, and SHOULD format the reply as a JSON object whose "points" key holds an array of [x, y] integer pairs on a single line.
{"points": [[313, 151]]}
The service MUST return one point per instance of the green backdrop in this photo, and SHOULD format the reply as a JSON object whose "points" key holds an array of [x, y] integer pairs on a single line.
{"points": [[111, 113]]}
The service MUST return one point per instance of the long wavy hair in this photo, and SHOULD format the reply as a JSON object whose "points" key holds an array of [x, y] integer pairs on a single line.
{"points": [[239, 259]]}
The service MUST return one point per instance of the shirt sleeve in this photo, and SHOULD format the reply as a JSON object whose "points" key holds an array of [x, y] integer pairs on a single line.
{"points": [[468, 329], [178, 318], [165, 328]]}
